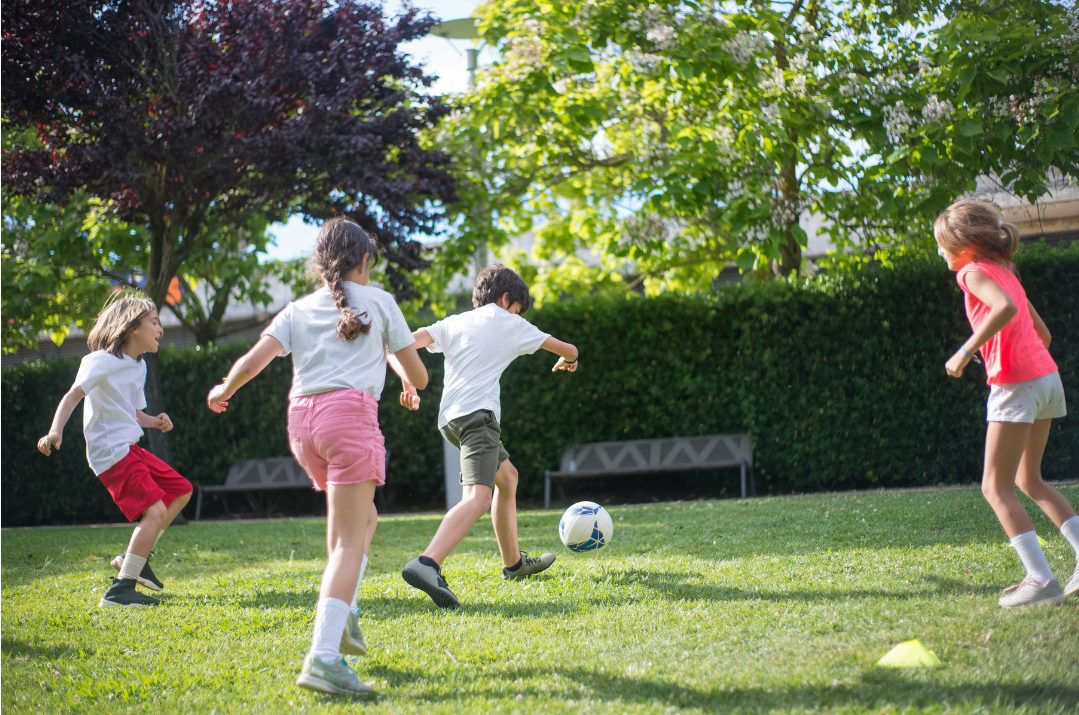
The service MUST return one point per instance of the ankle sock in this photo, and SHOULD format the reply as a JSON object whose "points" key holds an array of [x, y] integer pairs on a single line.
{"points": [[516, 565], [331, 615], [132, 566], [356, 593], [1070, 531], [1030, 553], [428, 561]]}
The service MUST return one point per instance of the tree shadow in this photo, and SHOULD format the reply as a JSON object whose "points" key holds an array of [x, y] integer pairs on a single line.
{"points": [[876, 689]]}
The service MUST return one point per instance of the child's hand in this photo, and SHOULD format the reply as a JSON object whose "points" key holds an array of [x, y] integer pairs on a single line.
{"points": [[563, 365], [218, 399], [409, 398], [162, 422], [52, 439], [956, 363]]}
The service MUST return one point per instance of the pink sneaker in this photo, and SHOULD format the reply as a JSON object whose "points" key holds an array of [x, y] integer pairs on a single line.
{"points": [[1031, 592]]}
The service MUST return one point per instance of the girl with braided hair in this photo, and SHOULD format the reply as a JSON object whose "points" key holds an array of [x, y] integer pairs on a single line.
{"points": [[341, 338]]}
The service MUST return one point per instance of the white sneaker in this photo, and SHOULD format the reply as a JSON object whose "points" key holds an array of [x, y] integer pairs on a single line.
{"points": [[352, 642], [1072, 586], [335, 678], [1031, 592]]}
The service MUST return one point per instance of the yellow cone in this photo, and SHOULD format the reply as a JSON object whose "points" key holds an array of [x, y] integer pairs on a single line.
{"points": [[911, 654]]}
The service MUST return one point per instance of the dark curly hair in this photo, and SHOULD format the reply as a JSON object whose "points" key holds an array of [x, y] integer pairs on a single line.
{"points": [[341, 246], [495, 281]]}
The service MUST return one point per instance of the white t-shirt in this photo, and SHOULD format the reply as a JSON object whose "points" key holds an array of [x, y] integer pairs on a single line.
{"points": [[321, 361], [479, 345], [114, 392]]}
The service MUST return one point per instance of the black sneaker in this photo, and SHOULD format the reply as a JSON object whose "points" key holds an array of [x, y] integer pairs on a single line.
{"points": [[429, 580], [122, 592], [146, 576], [529, 565]]}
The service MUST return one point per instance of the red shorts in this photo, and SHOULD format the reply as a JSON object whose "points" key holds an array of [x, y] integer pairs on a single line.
{"points": [[335, 437], [140, 480]]}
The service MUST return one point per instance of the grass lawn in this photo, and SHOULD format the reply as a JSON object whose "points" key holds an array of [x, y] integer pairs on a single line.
{"points": [[779, 604]]}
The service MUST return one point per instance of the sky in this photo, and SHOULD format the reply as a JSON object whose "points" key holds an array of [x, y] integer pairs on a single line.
{"points": [[443, 58]]}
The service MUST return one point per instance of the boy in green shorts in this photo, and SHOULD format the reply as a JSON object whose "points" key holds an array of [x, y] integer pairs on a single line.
{"points": [[479, 345]]}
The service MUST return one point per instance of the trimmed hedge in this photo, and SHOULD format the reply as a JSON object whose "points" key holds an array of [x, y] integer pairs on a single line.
{"points": [[840, 381]]}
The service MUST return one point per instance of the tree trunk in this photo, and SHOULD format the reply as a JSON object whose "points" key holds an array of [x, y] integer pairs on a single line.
{"points": [[790, 254], [155, 405]]}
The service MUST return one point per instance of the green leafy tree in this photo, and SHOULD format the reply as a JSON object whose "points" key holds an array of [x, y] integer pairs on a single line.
{"points": [[667, 139]]}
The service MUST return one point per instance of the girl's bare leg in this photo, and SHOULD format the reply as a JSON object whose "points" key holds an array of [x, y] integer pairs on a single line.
{"points": [[346, 537], [1005, 443], [1029, 476], [372, 523]]}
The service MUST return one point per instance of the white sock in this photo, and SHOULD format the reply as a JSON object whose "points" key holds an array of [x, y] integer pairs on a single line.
{"points": [[1069, 530], [331, 615], [356, 593], [1030, 553], [132, 566]]}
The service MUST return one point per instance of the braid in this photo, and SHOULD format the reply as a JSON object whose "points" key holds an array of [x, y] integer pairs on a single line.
{"points": [[341, 246]]}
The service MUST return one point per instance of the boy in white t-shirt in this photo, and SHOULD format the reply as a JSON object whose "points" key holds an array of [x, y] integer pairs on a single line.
{"points": [[111, 379], [479, 345]]}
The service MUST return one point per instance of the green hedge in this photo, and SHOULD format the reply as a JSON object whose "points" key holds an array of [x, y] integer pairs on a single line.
{"points": [[840, 381]]}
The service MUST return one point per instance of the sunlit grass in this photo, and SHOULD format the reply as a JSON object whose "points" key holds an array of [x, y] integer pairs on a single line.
{"points": [[780, 604]]}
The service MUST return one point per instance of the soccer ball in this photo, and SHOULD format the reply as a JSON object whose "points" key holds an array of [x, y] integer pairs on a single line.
{"points": [[586, 526]]}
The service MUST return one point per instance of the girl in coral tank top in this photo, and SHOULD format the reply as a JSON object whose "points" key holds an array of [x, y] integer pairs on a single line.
{"points": [[1025, 392]]}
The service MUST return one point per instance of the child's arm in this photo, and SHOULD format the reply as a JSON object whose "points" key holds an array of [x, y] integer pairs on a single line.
{"points": [[243, 370], [408, 366], [567, 354], [1001, 310], [63, 412], [161, 422], [1039, 326]]}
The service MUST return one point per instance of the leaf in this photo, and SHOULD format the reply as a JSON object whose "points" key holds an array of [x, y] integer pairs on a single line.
{"points": [[1062, 138], [966, 76], [579, 54], [970, 128]]}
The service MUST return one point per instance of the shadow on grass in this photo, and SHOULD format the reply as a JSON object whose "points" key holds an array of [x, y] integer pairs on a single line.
{"points": [[878, 689], [15, 648]]}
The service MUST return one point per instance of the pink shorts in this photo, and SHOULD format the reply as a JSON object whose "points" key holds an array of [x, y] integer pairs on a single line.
{"points": [[335, 437]]}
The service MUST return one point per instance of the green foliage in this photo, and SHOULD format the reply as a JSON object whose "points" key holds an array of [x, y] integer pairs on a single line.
{"points": [[839, 379], [764, 606], [668, 139]]}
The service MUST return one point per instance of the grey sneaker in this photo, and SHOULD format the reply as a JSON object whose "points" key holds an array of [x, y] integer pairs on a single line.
{"points": [[1072, 586], [529, 565], [352, 642], [1030, 592], [335, 678], [146, 576], [122, 592], [430, 581]]}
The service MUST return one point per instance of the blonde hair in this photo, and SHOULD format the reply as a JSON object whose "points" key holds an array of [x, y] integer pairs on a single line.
{"points": [[119, 318], [977, 226]]}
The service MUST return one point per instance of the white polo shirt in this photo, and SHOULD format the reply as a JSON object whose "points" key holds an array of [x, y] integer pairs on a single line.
{"points": [[114, 388]]}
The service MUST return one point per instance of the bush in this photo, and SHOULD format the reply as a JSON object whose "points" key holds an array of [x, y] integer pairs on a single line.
{"points": [[840, 380]]}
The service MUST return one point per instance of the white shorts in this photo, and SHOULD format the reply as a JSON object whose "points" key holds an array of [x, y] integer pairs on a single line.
{"points": [[1038, 399]]}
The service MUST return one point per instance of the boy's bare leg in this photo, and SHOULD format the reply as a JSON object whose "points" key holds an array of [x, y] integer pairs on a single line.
{"points": [[504, 514], [177, 505], [1029, 477], [475, 501], [150, 525]]}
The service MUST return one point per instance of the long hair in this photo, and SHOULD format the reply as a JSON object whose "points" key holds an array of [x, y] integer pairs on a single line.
{"points": [[495, 281], [118, 319], [978, 226], [341, 246]]}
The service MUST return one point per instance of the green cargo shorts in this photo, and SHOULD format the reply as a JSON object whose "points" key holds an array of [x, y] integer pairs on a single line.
{"points": [[479, 438]]}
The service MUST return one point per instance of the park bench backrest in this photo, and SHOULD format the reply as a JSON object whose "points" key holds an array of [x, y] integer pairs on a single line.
{"points": [[274, 472], [677, 452]]}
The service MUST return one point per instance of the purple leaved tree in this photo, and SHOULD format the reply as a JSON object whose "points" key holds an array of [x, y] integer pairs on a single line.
{"points": [[193, 117]]}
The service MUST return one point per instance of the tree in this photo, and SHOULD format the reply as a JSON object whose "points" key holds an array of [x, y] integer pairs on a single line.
{"points": [[672, 138], [193, 118]]}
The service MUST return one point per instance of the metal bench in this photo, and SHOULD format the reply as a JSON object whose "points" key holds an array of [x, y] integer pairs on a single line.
{"points": [[675, 454], [255, 475]]}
